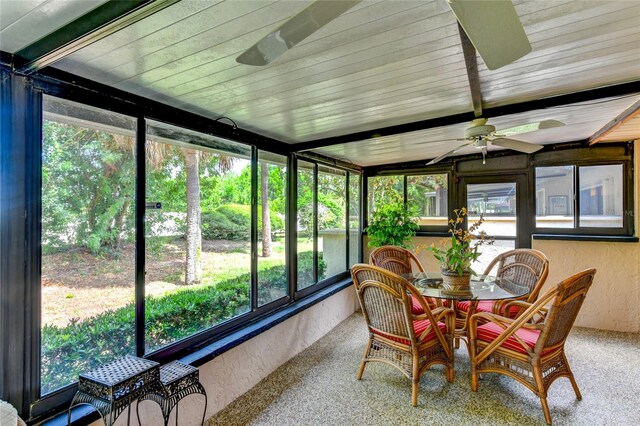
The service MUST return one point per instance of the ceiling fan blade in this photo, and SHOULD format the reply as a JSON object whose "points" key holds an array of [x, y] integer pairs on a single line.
{"points": [[517, 145], [531, 127], [296, 29], [437, 159], [494, 28]]}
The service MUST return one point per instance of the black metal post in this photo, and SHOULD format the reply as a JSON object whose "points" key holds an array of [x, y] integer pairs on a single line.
{"points": [[254, 228], [141, 189]]}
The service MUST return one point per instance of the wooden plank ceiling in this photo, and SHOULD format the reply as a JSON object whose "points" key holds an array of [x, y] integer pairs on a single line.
{"points": [[381, 63]]}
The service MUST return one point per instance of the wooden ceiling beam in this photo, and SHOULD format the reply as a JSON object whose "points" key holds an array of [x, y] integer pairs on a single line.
{"points": [[618, 121], [471, 60]]}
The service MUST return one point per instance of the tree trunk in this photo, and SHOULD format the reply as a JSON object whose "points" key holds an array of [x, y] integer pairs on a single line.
{"points": [[193, 273], [266, 216], [119, 223]]}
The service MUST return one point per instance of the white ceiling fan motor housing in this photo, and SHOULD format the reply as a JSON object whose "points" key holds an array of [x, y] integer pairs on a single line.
{"points": [[477, 131]]}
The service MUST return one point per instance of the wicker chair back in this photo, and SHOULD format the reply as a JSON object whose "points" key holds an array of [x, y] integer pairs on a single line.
{"points": [[524, 266], [395, 259], [568, 300], [384, 301]]}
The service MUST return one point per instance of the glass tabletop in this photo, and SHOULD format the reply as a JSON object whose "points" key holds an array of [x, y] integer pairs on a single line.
{"points": [[482, 287]]}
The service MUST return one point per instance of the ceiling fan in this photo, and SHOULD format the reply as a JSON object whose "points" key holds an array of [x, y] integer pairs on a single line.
{"points": [[492, 26], [480, 134]]}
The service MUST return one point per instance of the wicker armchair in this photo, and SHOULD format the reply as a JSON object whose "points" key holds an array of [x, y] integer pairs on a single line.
{"points": [[523, 266], [530, 348], [395, 259], [400, 261], [411, 343]]}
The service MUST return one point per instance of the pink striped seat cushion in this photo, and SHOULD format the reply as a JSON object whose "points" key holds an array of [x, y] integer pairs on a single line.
{"points": [[419, 327], [483, 306], [416, 307], [486, 306], [490, 331]]}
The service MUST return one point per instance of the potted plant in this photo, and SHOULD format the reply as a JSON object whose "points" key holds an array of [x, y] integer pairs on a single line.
{"points": [[392, 224], [456, 254]]}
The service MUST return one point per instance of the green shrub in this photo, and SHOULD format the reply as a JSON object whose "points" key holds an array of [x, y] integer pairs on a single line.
{"points": [[217, 226], [82, 345], [233, 222]]}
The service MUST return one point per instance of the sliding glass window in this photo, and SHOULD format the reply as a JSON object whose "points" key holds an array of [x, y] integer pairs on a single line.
{"points": [[427, 198], [272, 237], [88, 231], [332, 214], [321, 225], [306, 224], [355, 239], [582, 198], [198, 233]]}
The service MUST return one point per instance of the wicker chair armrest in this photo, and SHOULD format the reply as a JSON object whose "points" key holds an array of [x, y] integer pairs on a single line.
{"points": [[503, 322], [507, 324], [499, 306], [523, 305], [523, 321]]}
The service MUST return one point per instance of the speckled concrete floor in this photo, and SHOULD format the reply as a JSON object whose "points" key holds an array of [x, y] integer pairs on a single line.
{"points": [[318, 387]]}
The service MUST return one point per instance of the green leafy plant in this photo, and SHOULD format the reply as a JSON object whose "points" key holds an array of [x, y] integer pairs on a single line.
{"points": [[392, 224], [457, 253]]}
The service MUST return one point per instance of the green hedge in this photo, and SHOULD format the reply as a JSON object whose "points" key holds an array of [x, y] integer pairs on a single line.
{"points": [[233, 222], [82, 345]]}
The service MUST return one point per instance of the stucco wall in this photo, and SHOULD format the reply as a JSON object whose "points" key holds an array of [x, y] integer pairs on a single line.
{"points": [[614, 298], [236, 371]]}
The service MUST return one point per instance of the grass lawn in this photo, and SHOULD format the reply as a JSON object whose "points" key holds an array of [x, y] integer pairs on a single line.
{"points": [[77, 285]]}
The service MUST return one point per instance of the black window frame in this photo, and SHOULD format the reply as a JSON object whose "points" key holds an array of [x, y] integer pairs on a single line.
{"points": [[435, 230], [318, 284], [22, 126], [623, 156]]}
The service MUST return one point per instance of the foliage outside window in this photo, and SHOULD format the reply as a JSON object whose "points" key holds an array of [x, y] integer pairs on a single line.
{"points": [[88, 230], [197, 240], [199, 243], [382, 191], [355, 240], [272, 193], [306, 224], [428, 195]]}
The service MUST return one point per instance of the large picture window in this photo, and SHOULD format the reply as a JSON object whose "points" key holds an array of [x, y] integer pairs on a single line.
{"points": [[212, 255], [198, 233], [88, 232]]}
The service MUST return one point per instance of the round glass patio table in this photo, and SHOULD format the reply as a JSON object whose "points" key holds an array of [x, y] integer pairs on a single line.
{"points": [[482, 287]]}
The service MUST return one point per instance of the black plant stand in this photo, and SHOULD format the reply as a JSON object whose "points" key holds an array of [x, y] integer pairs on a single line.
{"points": [[177, 381], [114, 386]]}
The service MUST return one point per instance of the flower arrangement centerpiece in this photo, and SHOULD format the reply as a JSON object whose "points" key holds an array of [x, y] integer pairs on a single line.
{"points": [[457, 253]]}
